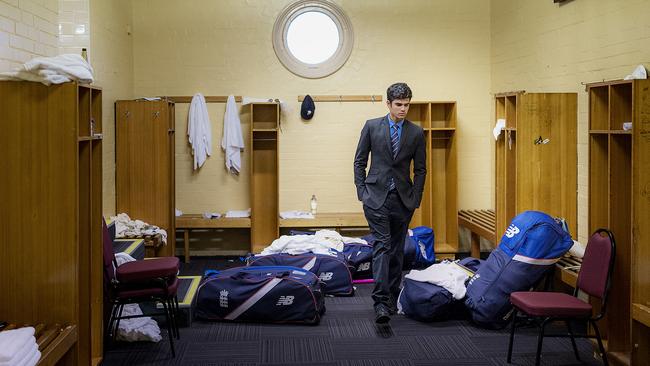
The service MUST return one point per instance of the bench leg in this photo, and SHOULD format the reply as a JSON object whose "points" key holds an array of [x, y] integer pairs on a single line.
{"points": [[476, 246], [186, 237]]}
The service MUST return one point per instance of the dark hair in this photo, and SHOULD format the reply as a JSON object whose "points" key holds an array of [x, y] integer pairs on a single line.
{"points": [[398, 91]]}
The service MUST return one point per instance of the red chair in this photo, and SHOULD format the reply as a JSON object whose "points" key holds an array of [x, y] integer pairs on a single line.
{"points": [[594, 279], [152, 280]]}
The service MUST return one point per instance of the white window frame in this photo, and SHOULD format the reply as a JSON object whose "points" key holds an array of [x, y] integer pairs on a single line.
{"points": [[327, 67]]}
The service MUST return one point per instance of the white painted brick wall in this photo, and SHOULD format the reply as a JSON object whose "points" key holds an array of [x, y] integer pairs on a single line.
{"points": [[28, 29], [74, 26]]}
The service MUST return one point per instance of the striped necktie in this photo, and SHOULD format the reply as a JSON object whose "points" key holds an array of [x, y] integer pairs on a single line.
{"points": [[394, 140], [394, 144]]}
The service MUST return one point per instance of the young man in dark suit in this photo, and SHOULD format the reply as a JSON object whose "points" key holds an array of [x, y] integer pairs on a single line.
{"points": [[388, 194]]}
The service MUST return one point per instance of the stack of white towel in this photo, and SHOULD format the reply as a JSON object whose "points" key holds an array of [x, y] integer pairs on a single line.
{"points": [[53, 70], [18, 347]]}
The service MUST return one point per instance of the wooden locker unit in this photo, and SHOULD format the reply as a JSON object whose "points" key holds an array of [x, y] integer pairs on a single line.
{"points": [[51, 214], [619, 162], [264, 174], [641, 222], [145, 164], [439, 205], [536, 156]]}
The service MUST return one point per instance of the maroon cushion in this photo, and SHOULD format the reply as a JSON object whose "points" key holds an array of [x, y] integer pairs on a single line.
{"points": [[550, 304], [152, 290], [138, 271]]}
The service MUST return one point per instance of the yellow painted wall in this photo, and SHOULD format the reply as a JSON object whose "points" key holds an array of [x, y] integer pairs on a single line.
{"points": [[539, 46], [111, 55], [440, 48]]}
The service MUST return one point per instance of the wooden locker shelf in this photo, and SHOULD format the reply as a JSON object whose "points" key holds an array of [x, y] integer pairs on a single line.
{"points": [[536, 176], [61, 151], [618, 165], [439, 205], [264, 174]]}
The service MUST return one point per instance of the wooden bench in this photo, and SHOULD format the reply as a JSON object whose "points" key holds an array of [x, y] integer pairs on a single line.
{"points": [[568, 267], [333, 220], [481, 223], [188, 222]]}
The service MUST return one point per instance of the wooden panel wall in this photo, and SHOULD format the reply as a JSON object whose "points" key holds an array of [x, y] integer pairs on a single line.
{"points": [[547, 172]]}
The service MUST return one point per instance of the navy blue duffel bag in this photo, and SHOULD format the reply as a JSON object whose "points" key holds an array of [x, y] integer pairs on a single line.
{"points": [[359, 257], [278, 294], [531, 245], [427, 302], [333, 270]]}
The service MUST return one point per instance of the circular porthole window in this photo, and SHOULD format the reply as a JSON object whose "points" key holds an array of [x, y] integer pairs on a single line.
{"points": [[313, 38]]}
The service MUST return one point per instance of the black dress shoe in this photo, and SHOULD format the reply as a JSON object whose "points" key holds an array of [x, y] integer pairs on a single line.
{"points": [[382, 315]]}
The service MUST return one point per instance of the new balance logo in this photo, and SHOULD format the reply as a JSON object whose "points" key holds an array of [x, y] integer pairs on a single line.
{"points": [[512, 231], [223, 298], [285, 300], [326, 276], [364, 266]]}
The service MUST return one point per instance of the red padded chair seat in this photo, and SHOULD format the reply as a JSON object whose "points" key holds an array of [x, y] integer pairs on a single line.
{"points": [[146, 270], [149, 291], [550, 304]]}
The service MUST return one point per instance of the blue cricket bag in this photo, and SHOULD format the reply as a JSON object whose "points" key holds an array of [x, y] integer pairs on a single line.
{"points": [[531, 245], [427, 302], [359, 257], [332, 270], [418, 249], [278, 294]]}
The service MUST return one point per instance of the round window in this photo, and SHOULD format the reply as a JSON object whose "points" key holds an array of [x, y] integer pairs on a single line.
{"points": [[312, 38]]}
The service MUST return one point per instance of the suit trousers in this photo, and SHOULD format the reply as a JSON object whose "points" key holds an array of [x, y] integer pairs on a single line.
{"points": [[389, 225]]}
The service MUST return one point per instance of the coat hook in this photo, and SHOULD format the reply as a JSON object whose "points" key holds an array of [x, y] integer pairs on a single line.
{"points": [[372, 98], [340, 98]]}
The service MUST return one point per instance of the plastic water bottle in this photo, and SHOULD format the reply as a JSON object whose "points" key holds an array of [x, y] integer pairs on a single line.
{"points": [[313, 204]]}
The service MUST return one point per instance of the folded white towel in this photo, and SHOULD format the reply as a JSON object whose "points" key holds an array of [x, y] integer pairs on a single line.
{"points": [[53, 70], [25, 356], [211, 215], [12, 341], [296, 215], [33, 360], [242, 213]]}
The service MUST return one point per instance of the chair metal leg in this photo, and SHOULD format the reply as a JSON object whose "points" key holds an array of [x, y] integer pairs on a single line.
{"points": [[573, 340], [512, 336], [177, 312], [172, 313], [120, 307], [109, 327], [603, 354], [540, 339], [169, 328]]}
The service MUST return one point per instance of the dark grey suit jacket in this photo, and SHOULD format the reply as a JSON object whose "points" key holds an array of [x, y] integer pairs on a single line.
{"points": [[375, 140]]}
